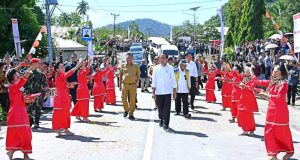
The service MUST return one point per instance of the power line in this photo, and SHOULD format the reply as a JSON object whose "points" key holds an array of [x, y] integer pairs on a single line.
{"points": [[141, 11], [162, 4]]}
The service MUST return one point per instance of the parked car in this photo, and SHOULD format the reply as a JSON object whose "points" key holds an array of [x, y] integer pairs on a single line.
{"points": [[136, 44], [136, 49]]}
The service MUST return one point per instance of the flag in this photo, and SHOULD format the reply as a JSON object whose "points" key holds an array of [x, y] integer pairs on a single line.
{"points": [[220, 13], [43, 29], [268, 15], [171, 34], [39, 37], [128, 33], [35, 43]]}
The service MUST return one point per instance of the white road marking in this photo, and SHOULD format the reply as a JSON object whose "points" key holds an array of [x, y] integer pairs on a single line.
{"points": [[292, 129], [149, 139]]}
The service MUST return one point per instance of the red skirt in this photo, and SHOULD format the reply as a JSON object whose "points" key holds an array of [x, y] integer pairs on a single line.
{"points": [[210, 96], [19, 139], [226, 100], [110, 96], [233, 109], [99, 102], [81, 108], [61, 119], [246, 121], [278, 139]]}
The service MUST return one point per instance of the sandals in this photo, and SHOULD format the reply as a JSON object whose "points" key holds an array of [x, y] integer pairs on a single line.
{"points": [[58, 132], [287, 156], [69, 133], [231, 120], [244, 134], [86, 120], [26, 157], [10, 154]]}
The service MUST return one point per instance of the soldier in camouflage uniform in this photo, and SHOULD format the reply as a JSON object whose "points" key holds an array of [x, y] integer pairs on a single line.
{"points": [[4, 99], [36, 83]]}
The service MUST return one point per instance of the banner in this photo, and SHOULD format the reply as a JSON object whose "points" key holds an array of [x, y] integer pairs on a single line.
{"points": [[16, 36], [296, 18]]}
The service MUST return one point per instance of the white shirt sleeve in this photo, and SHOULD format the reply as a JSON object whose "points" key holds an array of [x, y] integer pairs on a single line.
{"points": [[173, 80], [154, 81], [195, 70]]}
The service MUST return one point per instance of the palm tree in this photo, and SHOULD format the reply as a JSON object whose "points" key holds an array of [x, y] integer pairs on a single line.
{"points": [[82, 8]]}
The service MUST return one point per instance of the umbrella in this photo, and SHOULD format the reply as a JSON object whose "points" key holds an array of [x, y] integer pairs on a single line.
{"points": [[275, 36], [287, 57], [271, 46]]}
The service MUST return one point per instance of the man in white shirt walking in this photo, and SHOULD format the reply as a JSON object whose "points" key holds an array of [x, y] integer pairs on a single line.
{"points": [[163, 85], [191, 66], [183, 86]]}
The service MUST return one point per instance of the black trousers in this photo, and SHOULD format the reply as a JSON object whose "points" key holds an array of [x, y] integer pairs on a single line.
{"points": [[193, 90], [268, 72], [200, 82], [292, 90], [184, 98], [164, 108], [4, 101], [73, 92]]}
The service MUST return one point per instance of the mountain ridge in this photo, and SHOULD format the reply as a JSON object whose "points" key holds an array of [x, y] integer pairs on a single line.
{"points": [[157, 28]]}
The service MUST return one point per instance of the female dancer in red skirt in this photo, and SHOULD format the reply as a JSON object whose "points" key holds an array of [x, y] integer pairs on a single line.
{"points": [[226, 87], [110, 86], [61, 118], [210, 85], [99, 88], [236, 91], [278, 137], [247, 104], [18, 136], [81, 108]]}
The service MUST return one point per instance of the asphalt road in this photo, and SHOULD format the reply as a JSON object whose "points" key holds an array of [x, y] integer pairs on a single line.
{"points": [[206, 136]]}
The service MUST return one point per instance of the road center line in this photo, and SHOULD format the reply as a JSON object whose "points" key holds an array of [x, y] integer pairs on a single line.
{"points": [[149, 140]]}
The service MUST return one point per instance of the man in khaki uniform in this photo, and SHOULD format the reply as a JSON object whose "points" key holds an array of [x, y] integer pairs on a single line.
{"points": [[129, 80]]}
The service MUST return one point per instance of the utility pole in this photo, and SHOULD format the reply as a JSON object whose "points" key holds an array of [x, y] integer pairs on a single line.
{"points": [[115, 17], [195, 10], [48, 25], [149, 31]]}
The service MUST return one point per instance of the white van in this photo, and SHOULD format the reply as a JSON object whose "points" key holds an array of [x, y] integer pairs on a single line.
{"points": [[155, 43], [171, 50]]}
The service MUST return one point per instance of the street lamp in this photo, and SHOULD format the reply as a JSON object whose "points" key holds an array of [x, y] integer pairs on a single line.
{"points": [[195, 10], [115, 17], [18, 47]]}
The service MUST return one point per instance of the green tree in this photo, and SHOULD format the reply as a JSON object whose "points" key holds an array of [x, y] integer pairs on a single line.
{"points": [[39, 15], [251, 24], [282, 12], [75, 19], [234, 16], [82, 8], [64, 20], [27, 20]]}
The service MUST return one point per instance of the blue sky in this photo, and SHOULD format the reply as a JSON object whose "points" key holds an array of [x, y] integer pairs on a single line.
{"points": [[100, 10]]}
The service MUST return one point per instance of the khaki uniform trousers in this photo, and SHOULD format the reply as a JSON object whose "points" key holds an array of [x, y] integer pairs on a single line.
{"points": [[129, 89]]}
